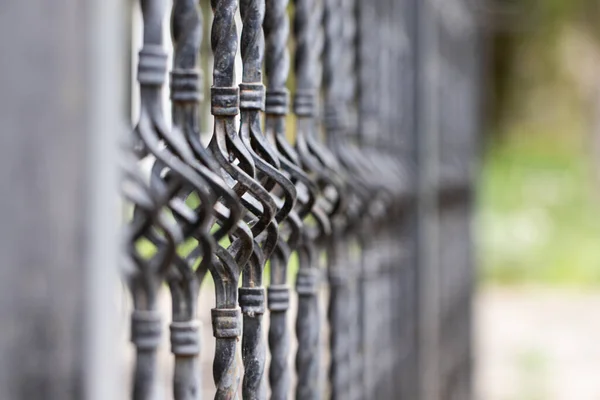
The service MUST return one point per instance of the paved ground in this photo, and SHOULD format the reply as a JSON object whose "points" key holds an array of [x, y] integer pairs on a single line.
{"points": [[531, 344], [538, 345]]}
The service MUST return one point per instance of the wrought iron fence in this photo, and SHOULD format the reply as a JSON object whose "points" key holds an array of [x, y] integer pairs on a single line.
{"points": [[347, 172], [348, 199]]}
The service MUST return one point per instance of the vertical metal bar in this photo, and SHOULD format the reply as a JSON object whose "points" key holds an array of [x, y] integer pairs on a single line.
{"points": [[186, 93], [334, 77], [428, 155], [308, 35], [411, 364], [354, 202], [308, 330], [226, 318], [382, 242], [173, 176], [252, 101], [252, 292], [368, 123], [399, 142], [58, 235], [276, 29]]}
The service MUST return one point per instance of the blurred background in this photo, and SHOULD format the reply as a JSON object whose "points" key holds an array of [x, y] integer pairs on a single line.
{"points": [[538, 214]]}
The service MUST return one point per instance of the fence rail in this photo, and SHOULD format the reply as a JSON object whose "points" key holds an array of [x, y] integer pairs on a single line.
{"points": [[329, 205]]}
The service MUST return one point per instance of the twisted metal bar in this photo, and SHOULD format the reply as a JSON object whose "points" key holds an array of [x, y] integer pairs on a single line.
{"points": [[347, 198], [338, 317], [227, 146], [182, 174], [172, 177], [368, 129], [185, 345], [185, 95], [184, 283], [267, 163], [145, 274], [308, 329], [278, 296], [339, 57], [252, 296], [387, 171], [377, 284], [252, 96], [322, 168], [186, 80], [402, 327], [276, 29], [316, 159], [338, 279], [226, 318]]}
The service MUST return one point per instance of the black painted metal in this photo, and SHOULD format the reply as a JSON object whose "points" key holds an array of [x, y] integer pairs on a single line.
{"points": [[317, 163], [276, 29], [338, 180], [361, 193]]}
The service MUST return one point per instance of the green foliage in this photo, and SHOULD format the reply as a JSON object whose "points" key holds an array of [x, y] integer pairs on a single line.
{"points": [[538, 213], [539, 208]]}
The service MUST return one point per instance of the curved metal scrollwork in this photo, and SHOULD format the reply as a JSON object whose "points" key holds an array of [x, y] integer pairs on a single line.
{"points": [[185, 95], [252, 96], [332, 181], [322, 168], [145, 273], [226, 146], [174, 177], [281, 156]]}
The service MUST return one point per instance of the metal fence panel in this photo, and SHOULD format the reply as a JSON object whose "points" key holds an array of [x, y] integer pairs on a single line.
{"points": [[347, 171]]}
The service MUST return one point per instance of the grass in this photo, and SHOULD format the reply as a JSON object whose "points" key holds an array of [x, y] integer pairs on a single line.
{"points": [[539, 213]]}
